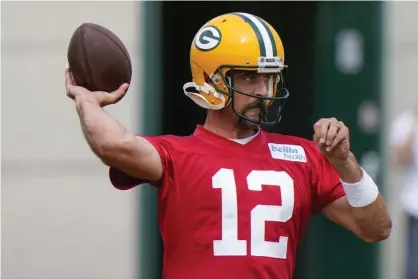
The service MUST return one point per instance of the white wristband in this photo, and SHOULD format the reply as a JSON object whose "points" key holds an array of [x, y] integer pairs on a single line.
{"points": [[362, 193]]}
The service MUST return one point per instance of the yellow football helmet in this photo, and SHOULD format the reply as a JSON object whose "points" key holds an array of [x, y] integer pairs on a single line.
{"points": [[230, 42]]}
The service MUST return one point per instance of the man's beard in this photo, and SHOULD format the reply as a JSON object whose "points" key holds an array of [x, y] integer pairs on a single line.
{"points": [[262, 113]]}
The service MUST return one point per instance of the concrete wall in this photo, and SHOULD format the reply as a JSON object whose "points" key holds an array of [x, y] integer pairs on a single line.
{"points": [[61, 218], [400, 91]]}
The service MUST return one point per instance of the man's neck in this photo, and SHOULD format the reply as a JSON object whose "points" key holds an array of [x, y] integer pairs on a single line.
{"points": [[229, 129]]}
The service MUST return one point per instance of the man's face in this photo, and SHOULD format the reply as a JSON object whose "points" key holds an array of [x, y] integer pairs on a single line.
{"points": [[255, 84]]}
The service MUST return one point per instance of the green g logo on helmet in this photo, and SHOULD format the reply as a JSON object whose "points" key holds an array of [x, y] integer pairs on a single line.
{"points": [[208, 38]]}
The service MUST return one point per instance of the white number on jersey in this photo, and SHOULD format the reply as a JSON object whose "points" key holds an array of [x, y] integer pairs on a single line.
{"points": [[230, 245]]}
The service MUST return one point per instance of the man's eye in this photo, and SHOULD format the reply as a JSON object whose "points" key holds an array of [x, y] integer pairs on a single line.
{"points": [[249, 78]]}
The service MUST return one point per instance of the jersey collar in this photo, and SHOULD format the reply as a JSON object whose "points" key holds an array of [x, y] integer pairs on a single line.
{"points": [[215, 139]]}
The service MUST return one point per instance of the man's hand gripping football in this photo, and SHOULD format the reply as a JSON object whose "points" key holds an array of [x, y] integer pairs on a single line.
{"points": [[102, 98]]}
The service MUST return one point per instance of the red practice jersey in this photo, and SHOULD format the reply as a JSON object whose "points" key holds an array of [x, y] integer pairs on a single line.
{"points": [[236, 211]]}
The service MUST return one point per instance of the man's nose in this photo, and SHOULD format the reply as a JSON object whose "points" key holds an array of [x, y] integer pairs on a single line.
{"points": [[262, 88]]}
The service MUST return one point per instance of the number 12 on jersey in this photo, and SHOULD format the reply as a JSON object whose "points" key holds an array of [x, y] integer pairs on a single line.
{"points": [[230, 245]]}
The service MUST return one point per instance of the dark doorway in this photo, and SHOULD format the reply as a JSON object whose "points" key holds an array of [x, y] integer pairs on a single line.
{"points": [[295, 23]]}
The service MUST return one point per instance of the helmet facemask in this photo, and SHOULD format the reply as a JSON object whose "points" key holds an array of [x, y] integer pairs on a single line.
{"points": [[223, 82]]}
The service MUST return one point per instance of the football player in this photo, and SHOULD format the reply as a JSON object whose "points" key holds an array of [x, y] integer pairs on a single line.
{"points": [[234, 200]]}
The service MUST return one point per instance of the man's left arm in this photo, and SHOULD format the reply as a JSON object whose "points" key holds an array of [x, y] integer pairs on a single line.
{"points": [[362, 210]]}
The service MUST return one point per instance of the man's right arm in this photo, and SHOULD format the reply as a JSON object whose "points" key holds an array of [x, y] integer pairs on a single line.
{"points": [[114, 145]]}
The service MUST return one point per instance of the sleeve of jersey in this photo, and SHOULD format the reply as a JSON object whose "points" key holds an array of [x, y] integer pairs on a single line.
{"points": [[123, 181], [326, 182]]}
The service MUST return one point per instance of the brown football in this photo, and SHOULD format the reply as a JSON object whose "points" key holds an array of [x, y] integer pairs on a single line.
{"points": [[98, 59]]}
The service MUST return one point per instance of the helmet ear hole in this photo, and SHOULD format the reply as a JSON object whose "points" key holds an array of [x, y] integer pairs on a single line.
{"points": [[206, 77]]}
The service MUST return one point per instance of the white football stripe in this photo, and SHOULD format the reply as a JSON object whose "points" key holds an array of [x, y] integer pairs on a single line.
{"points": [[267, 42]]}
